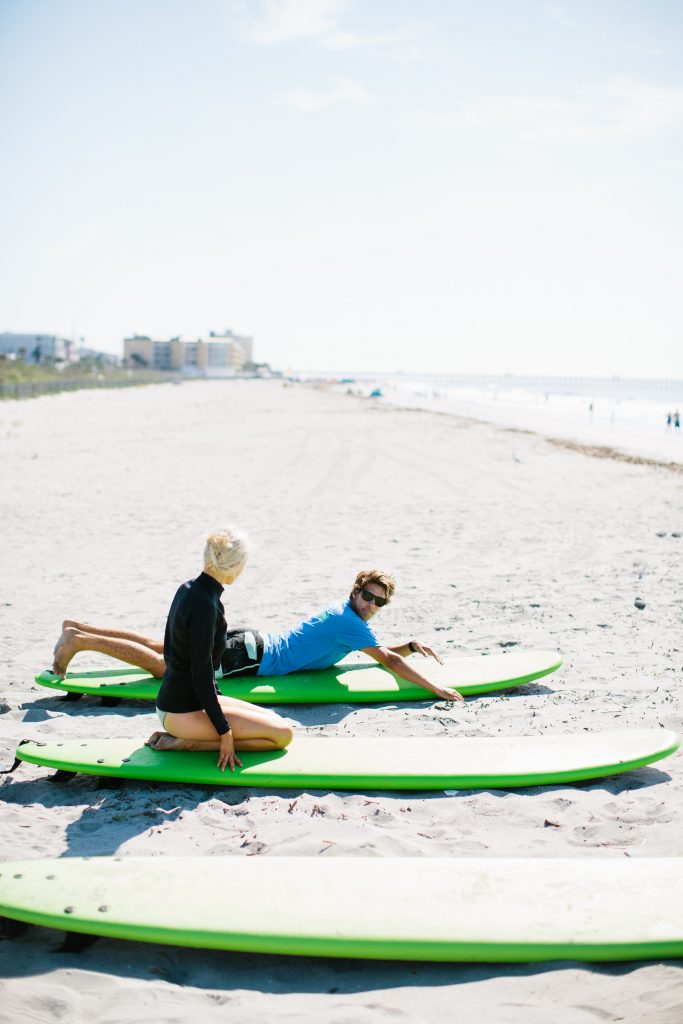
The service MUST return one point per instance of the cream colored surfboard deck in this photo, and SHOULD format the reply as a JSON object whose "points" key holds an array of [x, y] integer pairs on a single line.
{"points": [[374, 763], [608, 908]]}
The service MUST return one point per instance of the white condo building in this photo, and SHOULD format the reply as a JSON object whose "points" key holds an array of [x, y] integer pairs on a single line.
{"points": [[35, 347], [219, 354]]}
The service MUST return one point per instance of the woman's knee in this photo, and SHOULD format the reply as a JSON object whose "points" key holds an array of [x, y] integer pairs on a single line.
{"points": [[282, 734]]}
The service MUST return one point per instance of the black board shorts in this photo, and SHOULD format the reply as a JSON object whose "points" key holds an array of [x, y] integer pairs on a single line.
{"points": [[242, 655]]}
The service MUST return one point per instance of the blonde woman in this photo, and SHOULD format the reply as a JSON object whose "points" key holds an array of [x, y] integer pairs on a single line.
{"points": [[192, 712]]}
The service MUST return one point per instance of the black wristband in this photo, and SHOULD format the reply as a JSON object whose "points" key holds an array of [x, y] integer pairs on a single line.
{"points": [[411, 645]]}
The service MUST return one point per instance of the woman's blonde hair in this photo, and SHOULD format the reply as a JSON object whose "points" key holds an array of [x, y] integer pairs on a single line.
{"points": [[225, 549]]}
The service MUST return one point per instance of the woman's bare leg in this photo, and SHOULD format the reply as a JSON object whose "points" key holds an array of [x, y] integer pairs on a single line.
{"points": [[74, 640], [253, 728]]}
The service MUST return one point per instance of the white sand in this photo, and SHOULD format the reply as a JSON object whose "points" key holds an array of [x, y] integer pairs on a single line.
{"points": [[105, 497]]}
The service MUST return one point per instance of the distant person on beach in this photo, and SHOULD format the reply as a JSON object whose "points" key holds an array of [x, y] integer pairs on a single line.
{"points": [[669, 420], [192, 712], [677, 420], [316, 643]]}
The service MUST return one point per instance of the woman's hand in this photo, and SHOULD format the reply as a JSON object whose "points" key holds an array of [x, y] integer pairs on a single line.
{"points": [[426, 652], [227, 753]]}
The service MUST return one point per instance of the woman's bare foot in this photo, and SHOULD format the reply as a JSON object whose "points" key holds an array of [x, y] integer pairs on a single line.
{"points": [[164, 741], [64, 651]]}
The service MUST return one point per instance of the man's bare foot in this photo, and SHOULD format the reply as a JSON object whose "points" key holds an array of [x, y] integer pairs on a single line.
{"points": [[67, 624], [64, 651]]}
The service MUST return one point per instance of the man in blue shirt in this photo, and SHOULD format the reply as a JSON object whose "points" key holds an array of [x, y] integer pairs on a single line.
{"points": [[324, 639]]}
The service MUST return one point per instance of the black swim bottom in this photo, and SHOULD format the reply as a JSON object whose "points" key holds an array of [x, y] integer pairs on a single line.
{"points": [[243, 653]]}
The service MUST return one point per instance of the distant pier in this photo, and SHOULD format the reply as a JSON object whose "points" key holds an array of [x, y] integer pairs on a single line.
{"points": [[622, 387]]}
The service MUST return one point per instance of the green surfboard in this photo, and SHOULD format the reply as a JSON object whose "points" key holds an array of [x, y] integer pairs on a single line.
{"points": [[496, 910], [373, 763], [344, 683]]}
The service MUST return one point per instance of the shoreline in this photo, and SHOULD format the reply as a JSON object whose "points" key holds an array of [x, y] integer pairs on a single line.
{"points": [[592, 451], [626, 426]]}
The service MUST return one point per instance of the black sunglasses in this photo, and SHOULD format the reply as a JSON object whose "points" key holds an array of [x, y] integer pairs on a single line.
{"points": [[369, 596]]}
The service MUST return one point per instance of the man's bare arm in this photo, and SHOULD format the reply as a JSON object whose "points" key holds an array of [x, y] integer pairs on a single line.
{"points": [[397, 664], [415, 647]]}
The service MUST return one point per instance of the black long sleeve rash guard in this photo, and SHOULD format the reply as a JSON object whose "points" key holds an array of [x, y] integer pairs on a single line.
{"points": [[193, 644]]}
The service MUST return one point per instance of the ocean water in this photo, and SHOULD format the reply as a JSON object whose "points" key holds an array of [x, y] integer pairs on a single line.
{"points": [[628, 415]]}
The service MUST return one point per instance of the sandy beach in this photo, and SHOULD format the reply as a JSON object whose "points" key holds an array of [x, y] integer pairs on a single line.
{"points": [[498, 540]]}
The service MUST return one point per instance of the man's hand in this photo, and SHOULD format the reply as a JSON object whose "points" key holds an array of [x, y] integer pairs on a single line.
{"points": [[227, 753], [393, 659], [425, 651], [444, 693]]}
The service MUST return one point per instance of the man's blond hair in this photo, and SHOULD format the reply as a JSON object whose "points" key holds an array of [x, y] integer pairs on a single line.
{"points": [[382, 579]]}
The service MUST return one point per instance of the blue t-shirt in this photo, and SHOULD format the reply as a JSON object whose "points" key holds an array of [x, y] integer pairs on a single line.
{"points": [[317, 643]]}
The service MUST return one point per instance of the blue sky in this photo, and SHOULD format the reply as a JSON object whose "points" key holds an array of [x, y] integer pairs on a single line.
{"points": [[442, 185]]}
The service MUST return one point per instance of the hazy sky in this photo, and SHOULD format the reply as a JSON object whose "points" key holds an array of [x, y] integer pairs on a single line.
{"points": [[435, 184]]}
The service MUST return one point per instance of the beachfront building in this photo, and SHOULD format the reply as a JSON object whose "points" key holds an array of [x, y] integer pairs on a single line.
{"points": [[37, 348], [237, 341], [217, 355]]}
